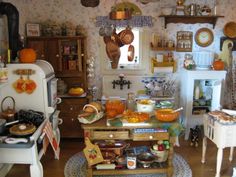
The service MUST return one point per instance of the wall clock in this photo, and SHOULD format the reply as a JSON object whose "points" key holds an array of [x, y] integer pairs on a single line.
{"points": [[204, 37]]}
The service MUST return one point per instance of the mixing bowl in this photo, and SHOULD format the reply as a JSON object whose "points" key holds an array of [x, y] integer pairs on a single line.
{"points": [[166, 115]]}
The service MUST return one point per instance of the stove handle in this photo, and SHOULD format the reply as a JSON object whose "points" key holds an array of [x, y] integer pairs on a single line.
{"points": [[40, 140], [60, 121], [58, 100]]}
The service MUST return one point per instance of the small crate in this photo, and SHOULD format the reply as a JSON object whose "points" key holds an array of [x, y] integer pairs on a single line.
{"points": [[222, 134]]}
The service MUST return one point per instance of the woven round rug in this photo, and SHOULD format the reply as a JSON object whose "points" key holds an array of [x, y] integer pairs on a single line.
{"points": [[77, 164]]}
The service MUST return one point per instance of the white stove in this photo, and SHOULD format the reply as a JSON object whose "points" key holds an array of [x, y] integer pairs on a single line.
{"points": [[43, 99]]}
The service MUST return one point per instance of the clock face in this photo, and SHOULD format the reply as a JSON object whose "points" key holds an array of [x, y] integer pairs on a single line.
{"points": [[204, 37]]}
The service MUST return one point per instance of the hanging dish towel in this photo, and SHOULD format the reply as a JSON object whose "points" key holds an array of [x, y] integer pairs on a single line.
{"points": [[50, 138]]}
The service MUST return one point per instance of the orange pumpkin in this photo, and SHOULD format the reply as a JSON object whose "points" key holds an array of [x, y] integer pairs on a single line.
{"points": [[218, 65], [27, 55]]}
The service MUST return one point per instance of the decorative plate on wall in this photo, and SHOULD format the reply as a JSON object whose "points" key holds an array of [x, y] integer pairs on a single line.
{"points": [[204, 37]]}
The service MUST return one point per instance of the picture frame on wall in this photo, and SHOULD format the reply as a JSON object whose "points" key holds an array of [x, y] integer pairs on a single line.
{"points": [[32, 29]]}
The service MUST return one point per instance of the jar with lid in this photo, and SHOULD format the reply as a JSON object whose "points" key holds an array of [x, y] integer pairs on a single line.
{"points": [[130, 103]]}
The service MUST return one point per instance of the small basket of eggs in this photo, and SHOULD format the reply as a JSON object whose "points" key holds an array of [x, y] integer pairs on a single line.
{"points": [[91, 113]]}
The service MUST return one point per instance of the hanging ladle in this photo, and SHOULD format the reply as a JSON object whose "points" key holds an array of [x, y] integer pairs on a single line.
{"points": [[177, 110]]}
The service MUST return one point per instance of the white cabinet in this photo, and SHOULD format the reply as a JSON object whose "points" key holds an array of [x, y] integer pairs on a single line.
{"points": [[200, 92]]}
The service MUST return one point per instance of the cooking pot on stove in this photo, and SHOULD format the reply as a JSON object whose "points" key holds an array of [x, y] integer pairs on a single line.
{"points": [[9, 113]]}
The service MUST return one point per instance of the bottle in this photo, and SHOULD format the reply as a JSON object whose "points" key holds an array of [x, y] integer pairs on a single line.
{"points": [[197, 92], [130, 104]]}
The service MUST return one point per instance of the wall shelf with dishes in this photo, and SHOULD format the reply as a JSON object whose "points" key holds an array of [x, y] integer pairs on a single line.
{"points": [[190, 19]]}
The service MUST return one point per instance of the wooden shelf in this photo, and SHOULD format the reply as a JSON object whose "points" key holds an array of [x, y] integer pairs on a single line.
{"points": [[163, 64], [190, 19], [162, 48]]}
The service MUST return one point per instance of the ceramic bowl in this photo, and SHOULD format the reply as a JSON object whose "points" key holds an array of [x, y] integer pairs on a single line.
{"points": [[167, 10], [145, 106], [166, 115]]}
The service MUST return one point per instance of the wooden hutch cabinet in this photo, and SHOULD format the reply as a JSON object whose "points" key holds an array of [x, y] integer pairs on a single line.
{"points": [[67, 54]]}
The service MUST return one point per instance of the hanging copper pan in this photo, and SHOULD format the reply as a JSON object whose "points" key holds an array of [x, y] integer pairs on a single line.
{"points": [[113, 53], [126, 36], [130, 53], [113, 50]]}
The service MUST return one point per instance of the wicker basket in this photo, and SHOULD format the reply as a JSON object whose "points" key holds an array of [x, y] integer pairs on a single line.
{"points": [[230, 30], [161, 155], [93, 118]]}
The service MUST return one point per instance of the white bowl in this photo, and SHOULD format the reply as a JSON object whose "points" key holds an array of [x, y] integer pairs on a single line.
{"points": [[146, 107], [167, 10]]}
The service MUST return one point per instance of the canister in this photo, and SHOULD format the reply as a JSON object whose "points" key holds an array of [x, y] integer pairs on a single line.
{"points": [[131, 161]]}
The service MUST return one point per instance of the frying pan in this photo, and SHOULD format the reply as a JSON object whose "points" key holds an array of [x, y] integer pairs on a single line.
{"points": [[3, 124], [126, 36]]}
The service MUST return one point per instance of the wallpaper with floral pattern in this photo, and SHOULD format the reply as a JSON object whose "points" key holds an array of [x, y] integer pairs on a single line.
{"points": [[60, 11]]}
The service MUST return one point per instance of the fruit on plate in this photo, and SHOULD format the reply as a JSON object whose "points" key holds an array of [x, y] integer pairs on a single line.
{"points": [[77, 91], [135, 117], [90, 109]]}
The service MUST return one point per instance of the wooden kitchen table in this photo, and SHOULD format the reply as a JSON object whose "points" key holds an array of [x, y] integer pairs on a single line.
{"points": [[100, 131]]}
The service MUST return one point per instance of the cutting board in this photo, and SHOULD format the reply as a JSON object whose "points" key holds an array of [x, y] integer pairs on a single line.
{"points": [[92, 153]]}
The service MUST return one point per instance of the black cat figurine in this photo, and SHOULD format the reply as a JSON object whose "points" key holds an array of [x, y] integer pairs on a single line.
{"points": [[194, 135]]}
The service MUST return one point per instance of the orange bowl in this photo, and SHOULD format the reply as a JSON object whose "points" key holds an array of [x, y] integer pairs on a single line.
{"points": [[166, 115]]}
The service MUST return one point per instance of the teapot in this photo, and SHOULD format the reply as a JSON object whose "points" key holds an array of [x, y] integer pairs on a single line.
{"points": [[9, 113]]}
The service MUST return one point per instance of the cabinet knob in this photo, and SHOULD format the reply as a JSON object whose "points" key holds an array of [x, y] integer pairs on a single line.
{"points": [[57, 55], [150, 137], [82, 54], [71, 108], [42, 56], [111, 136], [72, 120]]}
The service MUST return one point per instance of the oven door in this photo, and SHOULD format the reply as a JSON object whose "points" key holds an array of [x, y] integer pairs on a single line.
{"points": [[52, 92]]}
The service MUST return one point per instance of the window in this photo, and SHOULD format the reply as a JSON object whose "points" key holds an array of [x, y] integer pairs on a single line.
{"points": [[125, 66]]}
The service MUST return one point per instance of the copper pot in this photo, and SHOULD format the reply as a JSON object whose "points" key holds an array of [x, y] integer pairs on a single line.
{"points": [[9, 113]]}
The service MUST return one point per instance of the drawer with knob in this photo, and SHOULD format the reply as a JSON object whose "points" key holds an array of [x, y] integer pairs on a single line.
{"points": [[108, 134], [150, 136]]}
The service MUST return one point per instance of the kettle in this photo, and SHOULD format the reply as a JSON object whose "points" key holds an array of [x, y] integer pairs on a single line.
{"points": [[9, 113]]}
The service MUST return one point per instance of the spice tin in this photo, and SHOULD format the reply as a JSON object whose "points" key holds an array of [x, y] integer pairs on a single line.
{"points": [[131, 161]]}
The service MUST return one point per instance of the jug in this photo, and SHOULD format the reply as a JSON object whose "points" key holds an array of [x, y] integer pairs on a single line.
{"points": [[193, 9]]}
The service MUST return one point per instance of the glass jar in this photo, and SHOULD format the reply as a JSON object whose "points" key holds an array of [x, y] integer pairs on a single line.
{"points": [[130, 103]]}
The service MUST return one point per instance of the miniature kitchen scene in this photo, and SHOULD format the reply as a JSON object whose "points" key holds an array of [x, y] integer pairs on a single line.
{"points": [[128, 88]]}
